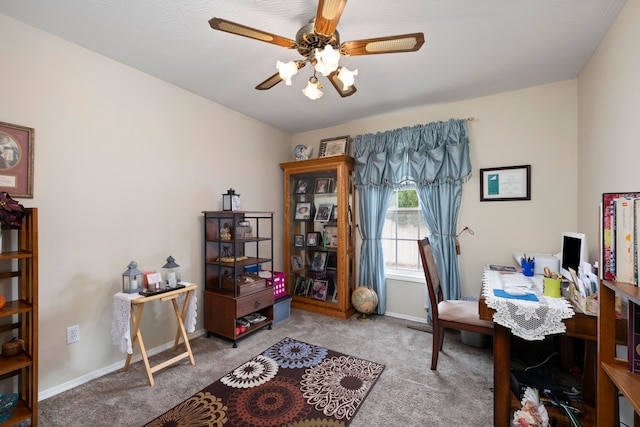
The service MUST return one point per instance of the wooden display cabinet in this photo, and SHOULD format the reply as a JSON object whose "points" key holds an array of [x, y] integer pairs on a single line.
{"points": [[238, 245], [319, 199], [19, 316]]}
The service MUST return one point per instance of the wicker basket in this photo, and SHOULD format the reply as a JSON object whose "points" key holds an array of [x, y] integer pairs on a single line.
{"points": [[8, 402]]}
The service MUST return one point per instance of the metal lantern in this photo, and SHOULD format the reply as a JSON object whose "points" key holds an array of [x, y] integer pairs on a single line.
{"points": [[231, 201], [172, 270], [132, 279]]}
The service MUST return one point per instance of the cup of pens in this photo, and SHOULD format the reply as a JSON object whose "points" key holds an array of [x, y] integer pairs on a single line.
{"points": [[528, 264], [551, 284]]}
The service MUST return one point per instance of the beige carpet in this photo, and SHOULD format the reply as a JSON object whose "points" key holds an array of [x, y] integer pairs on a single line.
{"points": [[407, 393]]}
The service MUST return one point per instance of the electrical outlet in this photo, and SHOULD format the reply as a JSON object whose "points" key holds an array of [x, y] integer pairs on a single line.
{"points": [[73, 334]]}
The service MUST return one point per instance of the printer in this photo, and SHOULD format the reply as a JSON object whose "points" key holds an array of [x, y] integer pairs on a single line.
{"points": [[542, 260]]}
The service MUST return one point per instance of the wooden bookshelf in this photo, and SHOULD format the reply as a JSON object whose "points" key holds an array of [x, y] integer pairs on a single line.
{"points": [[613, 373], [19, 317]]}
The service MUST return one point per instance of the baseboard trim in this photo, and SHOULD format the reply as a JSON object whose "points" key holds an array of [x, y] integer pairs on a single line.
{"points": [[405, 317], [45, 394]]}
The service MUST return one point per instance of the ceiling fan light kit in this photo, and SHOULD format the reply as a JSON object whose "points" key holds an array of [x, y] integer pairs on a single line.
{"points": [[319, 43], [312, 91]]}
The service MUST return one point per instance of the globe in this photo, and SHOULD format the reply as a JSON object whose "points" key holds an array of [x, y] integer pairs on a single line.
{"points": [[365, 300]]}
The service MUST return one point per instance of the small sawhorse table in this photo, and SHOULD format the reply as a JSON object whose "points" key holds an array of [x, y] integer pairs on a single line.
{"points": [[137, 305]]}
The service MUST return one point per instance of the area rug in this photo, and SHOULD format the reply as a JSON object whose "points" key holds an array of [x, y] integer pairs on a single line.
{"points": [[291, 383]]}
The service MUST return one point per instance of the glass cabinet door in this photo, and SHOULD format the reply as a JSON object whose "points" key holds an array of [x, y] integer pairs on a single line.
{"points": [[319, 235]]}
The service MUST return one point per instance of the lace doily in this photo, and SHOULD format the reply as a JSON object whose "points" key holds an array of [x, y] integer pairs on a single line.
{"points": [[121, 324], [192, 311], [530, 320]]}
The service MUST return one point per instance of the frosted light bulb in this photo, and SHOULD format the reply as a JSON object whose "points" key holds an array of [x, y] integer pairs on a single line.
{"points": [[327, 60], [347, 77], [286, 70], [312, 91]]}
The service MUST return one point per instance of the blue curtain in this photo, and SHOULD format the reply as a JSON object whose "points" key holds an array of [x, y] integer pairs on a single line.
{"points": [[435, 157]]}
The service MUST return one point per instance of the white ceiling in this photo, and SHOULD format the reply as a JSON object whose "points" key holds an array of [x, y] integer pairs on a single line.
{"points": [[473, 48]]}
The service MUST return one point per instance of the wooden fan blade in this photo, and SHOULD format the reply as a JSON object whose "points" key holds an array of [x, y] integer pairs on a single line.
{"points": [[270, 82], [275, 79], [252, 33], [328, 15], [391, 44], [337, 83]]}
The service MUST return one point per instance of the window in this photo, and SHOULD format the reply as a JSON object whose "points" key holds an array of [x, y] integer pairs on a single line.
{"points": [[403, 225]]}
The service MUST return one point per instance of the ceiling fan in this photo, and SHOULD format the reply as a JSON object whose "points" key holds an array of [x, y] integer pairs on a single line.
{"points": [[319, 43]]}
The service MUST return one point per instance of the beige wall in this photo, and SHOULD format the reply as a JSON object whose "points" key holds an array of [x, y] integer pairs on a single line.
{"points": [[608, 108], [124, 166], [535, 126]]}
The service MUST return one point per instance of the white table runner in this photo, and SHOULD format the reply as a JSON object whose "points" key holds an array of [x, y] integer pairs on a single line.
{"points": [[530, 320], [121, 325]]}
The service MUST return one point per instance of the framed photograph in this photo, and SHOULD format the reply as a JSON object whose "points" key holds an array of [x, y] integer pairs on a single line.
{"points": [[331, 286], [297, 264], [319, 290], [146, 276], [302, 287], [16, 160], [334, 213], [332, 261], [154, 280], [319, 261], [298, 241], [302, 186], [303, 211], [313, 239], [324, 212], [505, 183], [323, 185], [331, 236], [334, 146]]}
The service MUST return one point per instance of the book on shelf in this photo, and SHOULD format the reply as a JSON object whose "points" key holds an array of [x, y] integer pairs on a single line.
{"points": [[636, 239], [608, 256], [624, 240], [633, 342], [619, 242]]}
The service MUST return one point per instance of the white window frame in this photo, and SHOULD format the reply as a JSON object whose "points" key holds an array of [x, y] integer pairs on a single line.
{"points": [[402, 274]]}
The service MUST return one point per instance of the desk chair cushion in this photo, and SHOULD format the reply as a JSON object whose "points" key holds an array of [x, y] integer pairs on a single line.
{"points": [[461, 311]]}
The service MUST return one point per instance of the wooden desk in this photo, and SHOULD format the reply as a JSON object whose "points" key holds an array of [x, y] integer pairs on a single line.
{"points": [[579, 326], [137, 305]]}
